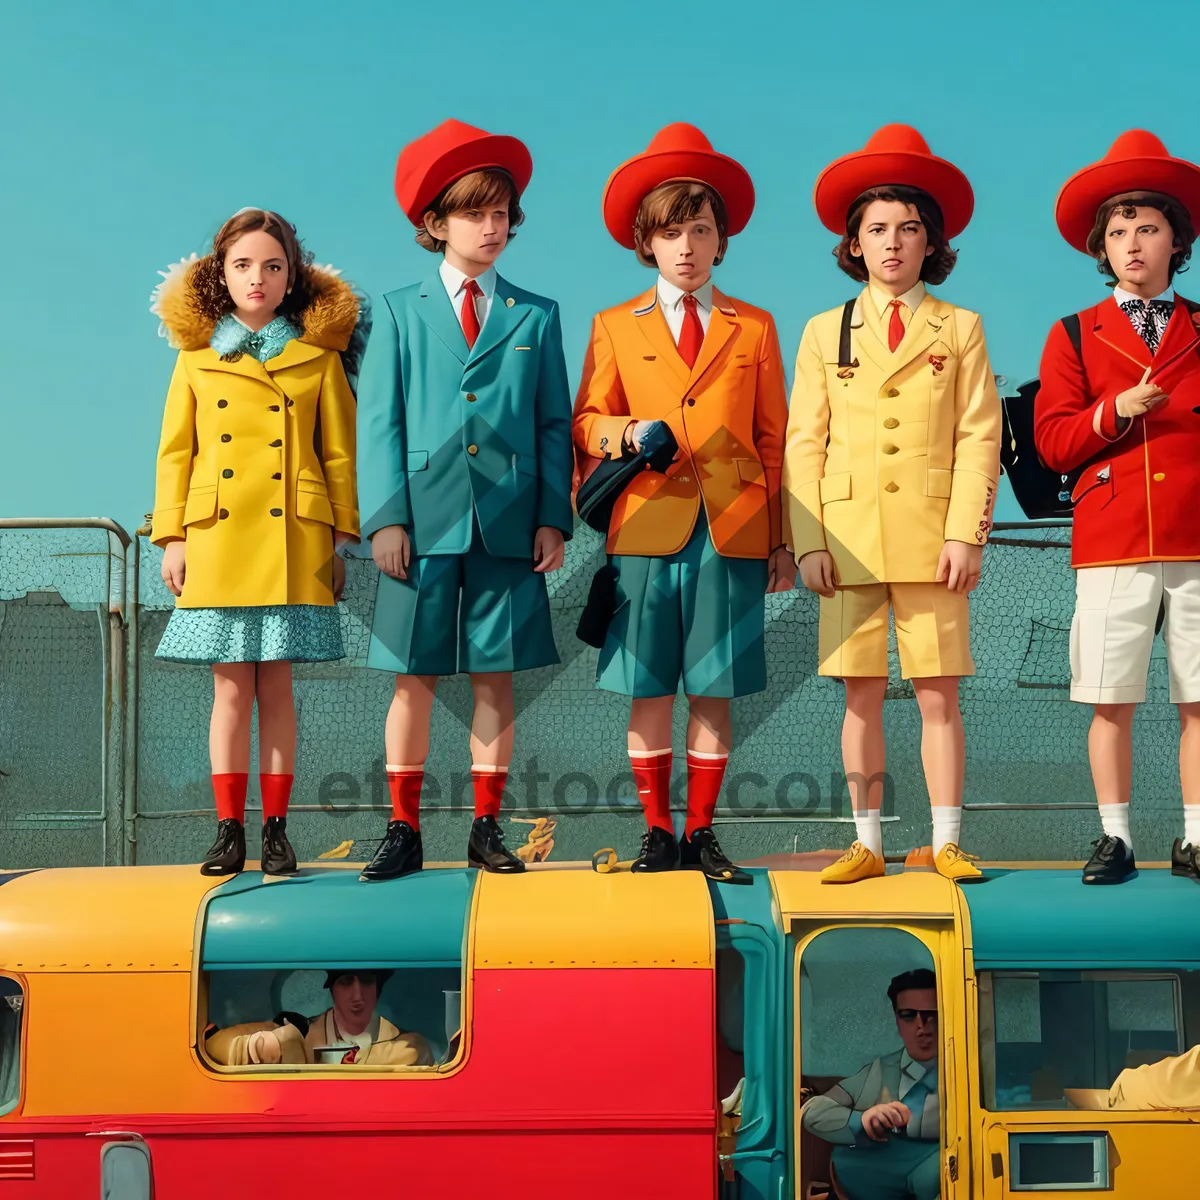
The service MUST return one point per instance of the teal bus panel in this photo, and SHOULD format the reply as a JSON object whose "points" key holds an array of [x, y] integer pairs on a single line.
{"points": [[328, 918], [1052, 920]]}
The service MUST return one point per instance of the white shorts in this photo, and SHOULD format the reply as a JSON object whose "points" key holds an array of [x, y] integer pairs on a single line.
{"points": [[1112, 632]]}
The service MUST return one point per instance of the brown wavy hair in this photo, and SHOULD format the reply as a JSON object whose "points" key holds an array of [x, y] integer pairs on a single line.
{"points": [[1128, 203], [936, 267], [479, 188], [671, 204], [212, 296]]}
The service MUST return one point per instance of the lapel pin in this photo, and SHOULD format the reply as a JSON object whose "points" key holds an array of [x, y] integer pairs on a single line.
{"points": [[938, 361]]}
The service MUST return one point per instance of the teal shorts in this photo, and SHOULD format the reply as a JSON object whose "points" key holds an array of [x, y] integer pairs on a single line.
{"points": [[693, 617], [472, 612]]}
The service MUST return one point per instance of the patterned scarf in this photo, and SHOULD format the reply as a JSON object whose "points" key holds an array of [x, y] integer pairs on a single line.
{"points": [[1149, 319], [231, 339]]}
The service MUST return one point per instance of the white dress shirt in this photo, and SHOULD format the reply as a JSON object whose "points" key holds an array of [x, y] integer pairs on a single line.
{"points": [[455, 282], [670, 299]]}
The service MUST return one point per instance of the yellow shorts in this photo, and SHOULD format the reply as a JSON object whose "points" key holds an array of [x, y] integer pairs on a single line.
{"points": [[931, 631]]}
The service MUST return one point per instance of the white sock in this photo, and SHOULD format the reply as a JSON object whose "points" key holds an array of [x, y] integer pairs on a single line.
{"points": [[1191, 824], [869, 831], [947, 822], [1115, 819]]}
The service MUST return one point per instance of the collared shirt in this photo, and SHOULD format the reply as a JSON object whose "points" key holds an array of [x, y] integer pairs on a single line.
{"points": [[911, 300], [455, 281], [1122, 297], [670, 299]]}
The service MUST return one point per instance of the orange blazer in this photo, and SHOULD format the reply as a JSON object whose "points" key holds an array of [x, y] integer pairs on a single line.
{"points": [[728, 414]]}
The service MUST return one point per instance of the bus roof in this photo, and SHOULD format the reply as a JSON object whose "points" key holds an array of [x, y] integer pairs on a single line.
{"points": [[1048, 919]]}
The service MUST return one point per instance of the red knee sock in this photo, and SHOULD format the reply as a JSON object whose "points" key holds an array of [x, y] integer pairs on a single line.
{"points": [[652, 775], [230, 793], [276, 791], [705, 773], [404, 783], [488, 786]]}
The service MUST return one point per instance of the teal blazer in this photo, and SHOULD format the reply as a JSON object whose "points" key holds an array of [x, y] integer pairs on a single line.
{"points": [[449, 436]]}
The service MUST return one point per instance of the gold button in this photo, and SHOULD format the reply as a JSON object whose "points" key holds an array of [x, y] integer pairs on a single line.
{"points": [[893, 393], [472, 449], [888, 448], [510, 302], [891, 487], [890, 423], [1159, 477], [685, 479], [470, 397]]}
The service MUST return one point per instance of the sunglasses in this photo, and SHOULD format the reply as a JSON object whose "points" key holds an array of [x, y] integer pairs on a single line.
{"points": [[928, 1015]]}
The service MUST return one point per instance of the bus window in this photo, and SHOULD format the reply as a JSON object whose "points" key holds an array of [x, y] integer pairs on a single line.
{"points": [[12, 1001], [870, 1041], [1046, 1033], [367, 1017]]}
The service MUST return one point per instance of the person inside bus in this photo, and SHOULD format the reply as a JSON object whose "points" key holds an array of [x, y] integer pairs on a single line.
{"points": [[885, 1122], [350, 1023]]}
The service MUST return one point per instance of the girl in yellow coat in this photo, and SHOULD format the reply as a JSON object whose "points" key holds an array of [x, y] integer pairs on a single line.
{"points": [[255, 489], [893, 450]]}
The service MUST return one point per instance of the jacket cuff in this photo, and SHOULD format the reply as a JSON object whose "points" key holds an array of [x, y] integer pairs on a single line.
{"points": [[969, 515], [394, 512], [166, 525], [1110, 428], [855, 1127], [608, 434], [804, 522], [345, 520]]}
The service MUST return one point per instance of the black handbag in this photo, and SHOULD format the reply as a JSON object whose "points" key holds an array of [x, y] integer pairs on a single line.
{"points": [[598, 494], [594, 503]]}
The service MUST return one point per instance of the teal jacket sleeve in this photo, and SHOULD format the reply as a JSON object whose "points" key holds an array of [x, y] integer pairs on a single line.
{"points": [[382, 457], [554, 449]]}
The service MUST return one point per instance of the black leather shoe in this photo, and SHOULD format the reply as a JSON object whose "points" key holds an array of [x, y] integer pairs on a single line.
{"points": [[702, 852], [1185, 860], [227, 855], [486, 848], [1111, 862], [660, 851], [399, 854], [278, 857]]}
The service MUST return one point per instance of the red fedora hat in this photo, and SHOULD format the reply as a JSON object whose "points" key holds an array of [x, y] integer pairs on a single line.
{"points": [[1136, 162], [678, 151], [434, 161], [895, 154]]}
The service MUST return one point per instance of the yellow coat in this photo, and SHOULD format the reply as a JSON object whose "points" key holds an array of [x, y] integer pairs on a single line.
{"points": [[256, 461], [897, 454]]}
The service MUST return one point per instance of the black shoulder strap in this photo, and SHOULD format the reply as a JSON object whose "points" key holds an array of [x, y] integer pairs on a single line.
{"points": [[845, 359], [1075, 333]]}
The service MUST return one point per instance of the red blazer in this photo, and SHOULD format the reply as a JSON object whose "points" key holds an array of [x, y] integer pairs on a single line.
{"points": [[1138, 500]]}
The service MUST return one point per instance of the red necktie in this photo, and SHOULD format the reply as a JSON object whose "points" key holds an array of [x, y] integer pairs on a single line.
{"points": [[895, 326], [691, 336], [470, 314]]}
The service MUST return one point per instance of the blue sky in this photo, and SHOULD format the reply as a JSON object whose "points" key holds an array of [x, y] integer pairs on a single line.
{"points": [[131, 130]]}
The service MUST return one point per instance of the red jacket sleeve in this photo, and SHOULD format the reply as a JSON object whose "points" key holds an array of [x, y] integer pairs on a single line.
{"points": [[1064, 424]]}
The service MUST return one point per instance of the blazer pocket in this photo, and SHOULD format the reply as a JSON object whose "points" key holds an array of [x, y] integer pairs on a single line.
{"points": [[201, 504], [750, 470], [418, 460], [835, 487], [312, 501], [938, 482], [1096, 479]]}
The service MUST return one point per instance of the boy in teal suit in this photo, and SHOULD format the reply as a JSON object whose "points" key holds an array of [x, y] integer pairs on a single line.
{"points": [[465, 460]]}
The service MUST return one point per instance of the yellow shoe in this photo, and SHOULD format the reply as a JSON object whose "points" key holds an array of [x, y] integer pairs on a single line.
{"points": [[954, 864], [857, 863]]}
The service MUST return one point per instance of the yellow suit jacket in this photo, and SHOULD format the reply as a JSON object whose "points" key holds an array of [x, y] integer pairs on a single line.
{"points": [[888, 459], [728, 414]]}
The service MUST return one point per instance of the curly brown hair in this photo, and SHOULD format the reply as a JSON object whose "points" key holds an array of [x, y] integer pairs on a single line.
{"points": [[488, 186], [936, 267], [1127, 204], [673, 203], [208, 280]]}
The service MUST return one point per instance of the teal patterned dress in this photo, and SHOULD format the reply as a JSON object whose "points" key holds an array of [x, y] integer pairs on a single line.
{"points": [[266, 633]]}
